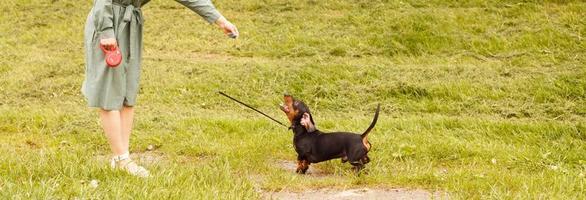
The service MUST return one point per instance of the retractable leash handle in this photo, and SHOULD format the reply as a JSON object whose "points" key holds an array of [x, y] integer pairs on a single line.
{"points": [[113, 57]]}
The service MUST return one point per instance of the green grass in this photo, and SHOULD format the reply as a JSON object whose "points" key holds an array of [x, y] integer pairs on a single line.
{"points": [[460, 82]]}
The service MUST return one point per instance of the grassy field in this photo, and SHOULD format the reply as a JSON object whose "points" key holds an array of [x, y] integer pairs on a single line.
{"points": [[481, 99]]}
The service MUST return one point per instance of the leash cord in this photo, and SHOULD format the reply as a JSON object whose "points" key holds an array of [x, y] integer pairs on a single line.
{"points": [[233, 99]]}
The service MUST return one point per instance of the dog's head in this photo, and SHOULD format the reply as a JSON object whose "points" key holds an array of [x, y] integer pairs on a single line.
{"points": [[297, 112]]}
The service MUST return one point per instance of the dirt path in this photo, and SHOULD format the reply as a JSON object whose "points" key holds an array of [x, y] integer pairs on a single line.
{"points": [[364, 193], [352, 193]]}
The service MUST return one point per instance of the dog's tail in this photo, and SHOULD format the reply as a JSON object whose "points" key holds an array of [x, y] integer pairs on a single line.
{"points": [[372, 123], [365, 134]]}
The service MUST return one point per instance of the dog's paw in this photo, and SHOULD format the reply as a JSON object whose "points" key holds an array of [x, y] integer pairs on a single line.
{"points": [[300, 171]]}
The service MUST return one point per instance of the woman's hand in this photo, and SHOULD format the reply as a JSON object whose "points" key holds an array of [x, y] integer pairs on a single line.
{"points": [[229, 29], [108, 43]]}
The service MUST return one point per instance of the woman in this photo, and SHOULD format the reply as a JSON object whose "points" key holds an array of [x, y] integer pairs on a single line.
{"points": [[118, 23]]}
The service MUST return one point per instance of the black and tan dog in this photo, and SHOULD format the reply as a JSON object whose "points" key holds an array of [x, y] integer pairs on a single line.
{"points": [[313, 146]]}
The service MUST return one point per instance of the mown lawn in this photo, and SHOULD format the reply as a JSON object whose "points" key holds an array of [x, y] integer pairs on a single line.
{"points": [[481, 99]]}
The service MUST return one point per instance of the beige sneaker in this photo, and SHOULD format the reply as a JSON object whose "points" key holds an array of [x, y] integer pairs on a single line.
{"points": [[124, 162]]}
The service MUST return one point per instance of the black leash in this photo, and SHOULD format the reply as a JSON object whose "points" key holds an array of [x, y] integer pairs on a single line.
{"points": [[233, 99]]}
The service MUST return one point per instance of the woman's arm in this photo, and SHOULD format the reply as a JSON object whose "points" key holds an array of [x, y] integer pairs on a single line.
{"points": [[203, 8], [206, 9], [104, 22]]}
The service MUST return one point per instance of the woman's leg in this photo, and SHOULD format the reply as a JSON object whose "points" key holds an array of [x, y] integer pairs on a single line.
{"points": [[117, 125], [113, 128], [126, 119]]}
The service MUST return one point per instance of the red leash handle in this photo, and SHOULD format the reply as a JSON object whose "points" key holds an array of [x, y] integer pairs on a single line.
{"points": [[113, 57]]}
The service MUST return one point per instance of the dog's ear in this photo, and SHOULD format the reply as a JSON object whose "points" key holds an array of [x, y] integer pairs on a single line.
{"points": [[307, 122], [303, 109], [306, 116]]}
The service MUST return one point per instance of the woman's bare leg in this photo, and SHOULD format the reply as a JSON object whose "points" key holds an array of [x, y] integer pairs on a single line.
{"points": [[113, 128], [118, 125], [126, 119]]}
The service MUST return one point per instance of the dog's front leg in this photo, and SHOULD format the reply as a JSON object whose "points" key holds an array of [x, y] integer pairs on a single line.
{"points": [[302, 166]]}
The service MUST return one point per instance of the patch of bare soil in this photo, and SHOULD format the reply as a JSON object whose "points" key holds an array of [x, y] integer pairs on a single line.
{"points": [[363, 193], [342, 194], [292, 166], [144, 158], [149, 158]]}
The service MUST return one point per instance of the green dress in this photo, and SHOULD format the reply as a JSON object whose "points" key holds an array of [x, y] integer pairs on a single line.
{"points": [[111, 88]]}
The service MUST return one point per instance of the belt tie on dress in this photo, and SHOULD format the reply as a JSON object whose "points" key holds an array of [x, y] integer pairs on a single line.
{"points": [[132, 16]]}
